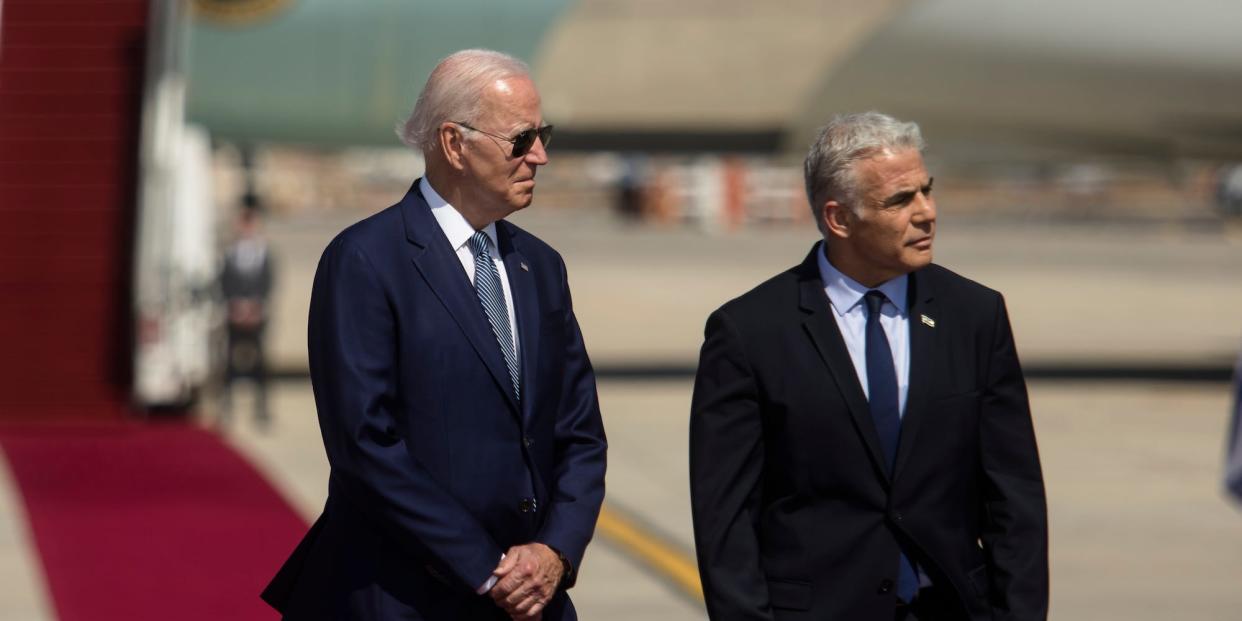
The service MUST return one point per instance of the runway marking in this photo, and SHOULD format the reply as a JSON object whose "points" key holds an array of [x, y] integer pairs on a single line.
{"points": [[651, 550]]}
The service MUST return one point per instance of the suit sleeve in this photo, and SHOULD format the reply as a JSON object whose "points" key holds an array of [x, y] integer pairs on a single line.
{"points": [[581, 450], [1015, 534], [726, 465], [352, 347]]}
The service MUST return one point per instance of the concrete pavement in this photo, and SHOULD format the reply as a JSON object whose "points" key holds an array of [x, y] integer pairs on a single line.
{"points": [[24, 595], [1087, 293], [1139, 527]]}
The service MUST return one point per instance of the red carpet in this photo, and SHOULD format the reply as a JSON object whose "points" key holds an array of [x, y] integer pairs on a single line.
{"points": [[154, 521]]}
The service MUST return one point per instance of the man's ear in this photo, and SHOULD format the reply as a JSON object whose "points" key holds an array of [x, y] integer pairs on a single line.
{"points": [[452, 142], [837, 219]]}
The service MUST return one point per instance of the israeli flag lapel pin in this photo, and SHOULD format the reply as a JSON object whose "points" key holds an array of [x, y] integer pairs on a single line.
{"points": [[928, 321]]}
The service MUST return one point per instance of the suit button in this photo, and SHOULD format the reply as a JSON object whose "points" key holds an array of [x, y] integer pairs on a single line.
{"points": [[886, 586], [528, 441], [527, 505], [897, 517]]}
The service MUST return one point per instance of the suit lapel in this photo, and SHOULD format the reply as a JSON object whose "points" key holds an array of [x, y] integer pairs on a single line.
{"points": [[823, 331], [526, 311], [922, 356], [440, 268]]}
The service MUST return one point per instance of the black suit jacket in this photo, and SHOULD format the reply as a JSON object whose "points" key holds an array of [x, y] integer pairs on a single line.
{"points": [[795, 516]]}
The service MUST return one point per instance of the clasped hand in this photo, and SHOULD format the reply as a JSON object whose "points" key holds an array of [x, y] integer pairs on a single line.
{"points": [[527, 579]]}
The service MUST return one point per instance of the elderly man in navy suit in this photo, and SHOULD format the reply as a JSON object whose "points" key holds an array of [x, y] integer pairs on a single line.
{"points": [[861, 446], [457, 404]]}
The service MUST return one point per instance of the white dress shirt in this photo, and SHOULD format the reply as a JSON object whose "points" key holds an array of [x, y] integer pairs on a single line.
{"points": [[459, 232], [846, 296]]}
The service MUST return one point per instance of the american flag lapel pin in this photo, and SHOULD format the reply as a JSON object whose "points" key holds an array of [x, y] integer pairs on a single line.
{"points": [[928, 321]]}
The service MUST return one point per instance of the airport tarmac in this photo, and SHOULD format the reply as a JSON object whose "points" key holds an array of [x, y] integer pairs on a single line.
{"points": [[1154, 293], [1140, 529]]}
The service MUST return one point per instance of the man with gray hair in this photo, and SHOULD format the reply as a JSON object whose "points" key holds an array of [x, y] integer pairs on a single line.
{"points": [[861, 445], [456, 401]]}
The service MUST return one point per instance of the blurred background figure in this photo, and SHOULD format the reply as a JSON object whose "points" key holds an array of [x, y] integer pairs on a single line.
{"points": [[246, 282], [628, 190], [1233, 458], [1229, 190]]}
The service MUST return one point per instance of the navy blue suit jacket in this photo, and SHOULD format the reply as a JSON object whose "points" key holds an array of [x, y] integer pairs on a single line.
{"points": [[436, 468]]}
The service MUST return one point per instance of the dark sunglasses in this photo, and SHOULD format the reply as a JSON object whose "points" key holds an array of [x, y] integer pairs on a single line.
{"points": [[521, 142]]}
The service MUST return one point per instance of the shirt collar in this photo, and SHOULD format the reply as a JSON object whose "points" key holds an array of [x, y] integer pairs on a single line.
{"points": [[845, 293], [454, 225]]}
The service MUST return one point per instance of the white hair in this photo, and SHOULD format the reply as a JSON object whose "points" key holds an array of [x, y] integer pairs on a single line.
{"points": [[453, 92], [846, 139]]}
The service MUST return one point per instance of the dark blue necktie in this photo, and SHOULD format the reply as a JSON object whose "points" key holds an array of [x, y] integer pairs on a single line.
{"points": [[885, 411], [492, 297]]}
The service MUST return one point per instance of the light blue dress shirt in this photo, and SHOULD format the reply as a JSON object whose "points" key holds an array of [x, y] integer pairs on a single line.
{"points": [[846, 296]]}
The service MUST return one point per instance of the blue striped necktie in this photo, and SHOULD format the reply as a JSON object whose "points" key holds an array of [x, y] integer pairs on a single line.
{"points": [[492, 297], [885, 412]]}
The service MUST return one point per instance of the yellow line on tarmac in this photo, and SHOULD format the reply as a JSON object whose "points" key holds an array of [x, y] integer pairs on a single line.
{"points": [[650, 550]]}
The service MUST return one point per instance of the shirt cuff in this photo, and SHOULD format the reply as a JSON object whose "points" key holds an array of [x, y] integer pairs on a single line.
{"points": [[487, 586], [491, 582]]}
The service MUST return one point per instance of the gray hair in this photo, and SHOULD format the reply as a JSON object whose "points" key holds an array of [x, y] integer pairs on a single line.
{"points": [[453, 93], [846, 139]]}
